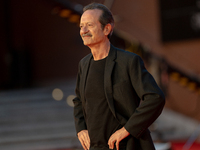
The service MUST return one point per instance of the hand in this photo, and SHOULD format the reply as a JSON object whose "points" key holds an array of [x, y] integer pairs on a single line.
{"points": [[83, 137], [117, 137]]}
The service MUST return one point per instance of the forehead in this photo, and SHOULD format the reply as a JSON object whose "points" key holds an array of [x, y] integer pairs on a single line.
{"points": [[91, 15]]}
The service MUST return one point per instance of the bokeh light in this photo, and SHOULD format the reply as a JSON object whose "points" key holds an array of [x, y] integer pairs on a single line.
{"points": [[57, 94], [70, 100]]}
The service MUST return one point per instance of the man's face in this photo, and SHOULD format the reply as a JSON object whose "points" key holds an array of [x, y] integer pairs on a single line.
{"points": [[90, 28]]}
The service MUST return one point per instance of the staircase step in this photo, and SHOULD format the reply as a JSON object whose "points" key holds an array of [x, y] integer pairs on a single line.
{"points": [[31, 119]]}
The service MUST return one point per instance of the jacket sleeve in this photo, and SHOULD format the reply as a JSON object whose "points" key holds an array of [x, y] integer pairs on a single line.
{"points": [[79, 118], [152, 97]]}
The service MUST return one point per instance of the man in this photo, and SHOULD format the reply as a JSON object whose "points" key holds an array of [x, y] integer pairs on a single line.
{"points": [[111, 82]]}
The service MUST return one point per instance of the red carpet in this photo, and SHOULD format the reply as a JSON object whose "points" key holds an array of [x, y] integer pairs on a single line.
{"points": [[179, 146], [175, 146]]}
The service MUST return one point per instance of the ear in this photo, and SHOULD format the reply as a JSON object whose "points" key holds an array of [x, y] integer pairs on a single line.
{"points": [[107, 29]]}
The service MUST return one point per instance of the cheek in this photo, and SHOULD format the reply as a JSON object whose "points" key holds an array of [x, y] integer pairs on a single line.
{"points": [[98, 33]]}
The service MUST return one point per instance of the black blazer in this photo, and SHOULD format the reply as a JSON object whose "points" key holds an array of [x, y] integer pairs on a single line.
{"points": [[126, 83]]}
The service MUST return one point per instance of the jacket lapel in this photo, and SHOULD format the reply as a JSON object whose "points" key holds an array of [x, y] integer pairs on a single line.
{"points": [[84, 75], [110, 62]]}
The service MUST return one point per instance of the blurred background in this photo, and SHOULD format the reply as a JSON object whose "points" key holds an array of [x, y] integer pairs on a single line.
{"points": [[40, 48]]}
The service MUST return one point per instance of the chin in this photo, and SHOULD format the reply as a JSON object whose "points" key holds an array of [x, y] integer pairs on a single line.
{"points": [[86, 43]]}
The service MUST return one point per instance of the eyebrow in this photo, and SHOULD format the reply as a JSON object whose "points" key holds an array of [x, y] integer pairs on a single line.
{"points": [[86, 23]]}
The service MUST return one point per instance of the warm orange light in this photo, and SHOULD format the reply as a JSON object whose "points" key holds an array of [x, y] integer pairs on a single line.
{"points": [[74, 18], [175, 76], [65, 13], [184, 81]]}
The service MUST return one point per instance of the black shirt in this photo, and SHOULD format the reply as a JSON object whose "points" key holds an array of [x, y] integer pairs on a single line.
{"points": [[100, 121]]}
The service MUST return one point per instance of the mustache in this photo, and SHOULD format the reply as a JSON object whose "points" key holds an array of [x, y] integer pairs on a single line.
{"points": [[86, 34]]}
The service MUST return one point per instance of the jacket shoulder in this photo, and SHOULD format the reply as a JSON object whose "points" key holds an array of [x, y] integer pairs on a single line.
{"points": [[85, 59], [126, 55]]}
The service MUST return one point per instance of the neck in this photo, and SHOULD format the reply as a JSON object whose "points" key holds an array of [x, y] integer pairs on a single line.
{"points": [[100, 51]]}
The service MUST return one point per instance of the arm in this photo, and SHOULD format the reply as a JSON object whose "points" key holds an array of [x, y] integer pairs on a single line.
{"points": [[150, 108], [79, 118], [152, 99]]}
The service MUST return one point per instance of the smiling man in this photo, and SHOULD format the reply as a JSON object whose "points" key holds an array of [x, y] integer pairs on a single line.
{"points": [[110, 85]]}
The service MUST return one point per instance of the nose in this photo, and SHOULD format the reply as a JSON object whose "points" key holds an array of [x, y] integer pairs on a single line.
{"points": [[83, 30]]}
